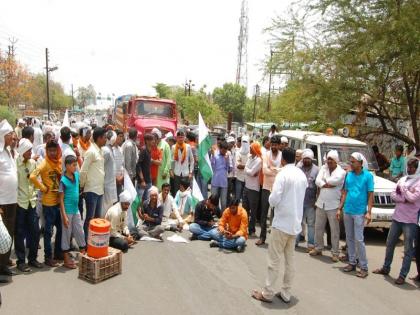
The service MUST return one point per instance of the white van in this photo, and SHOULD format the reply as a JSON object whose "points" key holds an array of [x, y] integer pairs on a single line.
{"points": [[383, 207]]}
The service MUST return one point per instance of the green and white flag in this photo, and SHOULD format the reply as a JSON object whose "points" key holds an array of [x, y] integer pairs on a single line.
{"points": [[204, 145], [196, 194]]}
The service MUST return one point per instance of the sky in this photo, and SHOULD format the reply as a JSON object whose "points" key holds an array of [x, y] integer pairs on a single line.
{"points": [[127, 46]]}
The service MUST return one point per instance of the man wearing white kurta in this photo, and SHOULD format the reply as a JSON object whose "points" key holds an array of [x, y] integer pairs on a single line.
{"points": [[8, 189], [287, 198]]}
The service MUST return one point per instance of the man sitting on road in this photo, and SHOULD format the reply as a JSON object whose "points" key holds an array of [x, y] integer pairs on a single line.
{"points": [[233, 228], [203, 219], [117, 215], [172, 220], [151, 215]]}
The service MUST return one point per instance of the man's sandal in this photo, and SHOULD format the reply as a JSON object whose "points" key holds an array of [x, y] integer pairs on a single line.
{"points": [[259, 296]]}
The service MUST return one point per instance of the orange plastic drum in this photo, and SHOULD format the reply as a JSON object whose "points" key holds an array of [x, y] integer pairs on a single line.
{"points": [[98, 240]]}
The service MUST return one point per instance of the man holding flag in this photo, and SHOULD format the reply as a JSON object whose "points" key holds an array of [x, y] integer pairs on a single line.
{"points": [[204, 164]]}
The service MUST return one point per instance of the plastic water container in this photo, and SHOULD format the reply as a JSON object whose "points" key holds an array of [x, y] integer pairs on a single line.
{"points": [[98, 239]]}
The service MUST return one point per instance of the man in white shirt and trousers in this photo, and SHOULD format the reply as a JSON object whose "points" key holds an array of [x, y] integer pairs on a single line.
{"points": [[287, 198]]}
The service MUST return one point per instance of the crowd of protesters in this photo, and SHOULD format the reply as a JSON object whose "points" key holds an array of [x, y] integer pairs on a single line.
{"points": [[55, 177]]}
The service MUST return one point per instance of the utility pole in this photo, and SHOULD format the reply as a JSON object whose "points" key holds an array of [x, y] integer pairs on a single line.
{"points": [[72, 95], [48, 84], [10, 69], [188, 86], [269, 81], [47, 71], [257, 91]]}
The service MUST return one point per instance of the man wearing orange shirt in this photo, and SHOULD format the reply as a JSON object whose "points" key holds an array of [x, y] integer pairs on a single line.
{"points": [[232, 232]]}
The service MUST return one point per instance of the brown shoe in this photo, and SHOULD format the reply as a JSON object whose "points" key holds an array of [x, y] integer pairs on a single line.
{"points": [[315, 252], [349, 268], [260, 242], [51, 263], [381, 271], [362, 273], [399, 281], [335, 258]]}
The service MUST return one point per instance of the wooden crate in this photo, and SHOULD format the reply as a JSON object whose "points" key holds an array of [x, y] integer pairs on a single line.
{"points": [[96, 270]]}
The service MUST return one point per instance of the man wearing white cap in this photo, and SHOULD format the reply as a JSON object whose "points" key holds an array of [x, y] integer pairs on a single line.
{"points": [[284, 143], [165, 166], [330, 181], [117, 216], [311, 172], [232, 173], [8, 188], [110, 181], [27, 220], [19, 127]]}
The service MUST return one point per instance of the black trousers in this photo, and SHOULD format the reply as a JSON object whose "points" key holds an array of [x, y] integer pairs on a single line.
{"points": [[118, 243], [265, 206], [418, 251], [9, 220], [251, 205]]}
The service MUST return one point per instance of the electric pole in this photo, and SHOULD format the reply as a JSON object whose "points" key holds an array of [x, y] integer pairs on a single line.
{"points": [[257, 91], [188, 86], [48, 85], [47, 71], [269, 82], [72, 95]]}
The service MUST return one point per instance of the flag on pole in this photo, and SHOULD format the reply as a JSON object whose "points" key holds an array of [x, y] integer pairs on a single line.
{"points": [[196, 194], [132, 215], [204, 145]]}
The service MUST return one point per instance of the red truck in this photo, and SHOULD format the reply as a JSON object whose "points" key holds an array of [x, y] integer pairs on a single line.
{"points": [[145, 113]]}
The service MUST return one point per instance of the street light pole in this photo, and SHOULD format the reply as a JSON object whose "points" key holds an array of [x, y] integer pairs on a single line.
{"points": [[48, 70], [269, 82], [257, 91], [48, 85], [72, 95]]}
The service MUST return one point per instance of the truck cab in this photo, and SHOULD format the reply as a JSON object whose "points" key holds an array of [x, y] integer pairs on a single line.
{"points": [[321, 144], [145, 113]]}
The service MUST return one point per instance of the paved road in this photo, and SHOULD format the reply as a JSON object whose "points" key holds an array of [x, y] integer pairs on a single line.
{"points": [[169, 278]]}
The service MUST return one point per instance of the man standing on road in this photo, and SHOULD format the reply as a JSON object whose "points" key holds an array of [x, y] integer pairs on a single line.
{"points": [[330, 182], [130, 153], [143, 168], [404, 220], [8, 189], [357, 196], [183, 160], [311, 172], [221, 165], [92, 177], [165, 166], [119, 161], [110, 179], [287, 199], [271, 166], [252, 185]]}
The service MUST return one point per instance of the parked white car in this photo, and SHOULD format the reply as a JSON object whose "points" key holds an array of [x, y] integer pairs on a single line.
{"points": [[320, 144]]}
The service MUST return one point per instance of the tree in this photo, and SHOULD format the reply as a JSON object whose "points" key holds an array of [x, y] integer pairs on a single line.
{"points": [[86, 95], [231, 98], [189, 105], [364, 55]]}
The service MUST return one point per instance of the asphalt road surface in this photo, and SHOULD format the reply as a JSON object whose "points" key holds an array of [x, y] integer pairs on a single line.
{"points": [[173, 278]]}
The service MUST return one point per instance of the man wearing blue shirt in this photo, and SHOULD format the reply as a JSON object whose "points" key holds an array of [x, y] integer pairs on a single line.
{"points": [[357, 196]]}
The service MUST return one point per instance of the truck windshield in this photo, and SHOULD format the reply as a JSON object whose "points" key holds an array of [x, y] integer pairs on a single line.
{"points": [[150, 108], [345, 151]]}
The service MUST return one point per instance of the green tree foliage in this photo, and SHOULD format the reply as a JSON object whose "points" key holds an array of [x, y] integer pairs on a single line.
{"points": [[86, 95], [231, 98], [190, 105], [9, 115], [342, 55]]}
